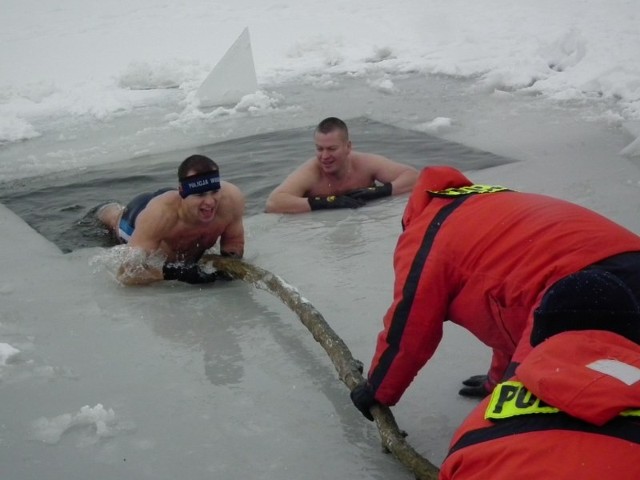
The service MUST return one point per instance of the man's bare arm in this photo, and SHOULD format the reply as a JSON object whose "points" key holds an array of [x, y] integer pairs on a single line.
{"points": [[402, 177], [289, 196], [405, 181], [140, 267], [144, 244], [232, 239]]}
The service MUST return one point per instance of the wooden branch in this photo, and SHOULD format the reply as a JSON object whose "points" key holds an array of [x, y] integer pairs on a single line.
{"points": [[349, 369]]}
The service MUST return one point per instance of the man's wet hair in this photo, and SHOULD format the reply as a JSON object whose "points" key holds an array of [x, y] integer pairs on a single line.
{"points": [[196, 164], [331, 124]]}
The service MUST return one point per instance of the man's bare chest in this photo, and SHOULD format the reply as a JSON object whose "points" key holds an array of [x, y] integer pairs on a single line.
{"points": [[333, 186], [192, 241]]}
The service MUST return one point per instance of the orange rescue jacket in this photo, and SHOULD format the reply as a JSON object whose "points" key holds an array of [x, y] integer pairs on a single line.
{"points": [[483, 261]]}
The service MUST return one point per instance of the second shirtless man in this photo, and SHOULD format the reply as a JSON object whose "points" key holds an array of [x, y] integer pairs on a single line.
{"points": [[339, 177]]}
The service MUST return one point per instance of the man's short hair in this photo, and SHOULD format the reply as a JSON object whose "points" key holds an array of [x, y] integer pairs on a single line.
{"points": [[196, 164], [331, 124]]}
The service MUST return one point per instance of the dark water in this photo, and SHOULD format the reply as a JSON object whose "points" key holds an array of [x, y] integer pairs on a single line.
{"points": [[59, 206]]}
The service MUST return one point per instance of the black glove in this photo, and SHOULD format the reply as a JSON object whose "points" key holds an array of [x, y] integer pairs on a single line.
{"points": [[477, 386], [333, 201], [187, 273], [371, 193], [362, 397], [475, 380]]}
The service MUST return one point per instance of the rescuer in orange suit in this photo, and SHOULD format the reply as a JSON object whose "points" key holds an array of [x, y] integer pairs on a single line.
{"points": [[482, 257], [573, 408]]}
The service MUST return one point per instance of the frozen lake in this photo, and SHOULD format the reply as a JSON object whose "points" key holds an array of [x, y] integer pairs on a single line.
{"points": [[223, 381]]}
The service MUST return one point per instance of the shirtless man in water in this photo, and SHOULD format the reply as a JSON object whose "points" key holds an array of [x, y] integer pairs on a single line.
{"points": [[339, 177], [178, 226]]}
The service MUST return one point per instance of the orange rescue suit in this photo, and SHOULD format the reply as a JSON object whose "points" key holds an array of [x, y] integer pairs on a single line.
{"points": [[482, 261]]}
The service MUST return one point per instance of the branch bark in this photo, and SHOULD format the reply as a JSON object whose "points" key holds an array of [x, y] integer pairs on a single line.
{"points": [[349, 369]]}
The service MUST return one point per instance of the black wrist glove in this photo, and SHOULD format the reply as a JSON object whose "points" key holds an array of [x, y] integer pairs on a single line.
{"points": [[187, 273], [333, 201], [371, 193], [363, 398], [476, 386]]}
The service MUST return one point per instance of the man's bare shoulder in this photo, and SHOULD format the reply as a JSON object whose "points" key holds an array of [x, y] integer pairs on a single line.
{"points": [[233, 198], [301, 179], [156, 222], [309, 167], [366, 157], [162, 209], [376, 162], [232, 190]]}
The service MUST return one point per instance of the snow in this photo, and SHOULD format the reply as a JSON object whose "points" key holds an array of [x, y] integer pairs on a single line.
{"points": [[6, 352], [101, 421], [82, 59]]}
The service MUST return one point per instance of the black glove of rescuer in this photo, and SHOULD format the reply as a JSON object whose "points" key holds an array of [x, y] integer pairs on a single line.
{"points": [[476, 386], [333, 201], [187, 273], [362, 397], [371, 193]]}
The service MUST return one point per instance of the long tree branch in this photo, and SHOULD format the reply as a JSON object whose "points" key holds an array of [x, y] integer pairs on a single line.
{"points": [[349, 369]]}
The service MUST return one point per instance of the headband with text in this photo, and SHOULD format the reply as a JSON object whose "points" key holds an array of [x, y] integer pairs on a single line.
{"points": [[200, 183]]}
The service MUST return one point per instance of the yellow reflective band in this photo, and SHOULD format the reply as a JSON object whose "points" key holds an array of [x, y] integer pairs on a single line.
{"points": [[510, 399], [468, 190], [630, 413]]}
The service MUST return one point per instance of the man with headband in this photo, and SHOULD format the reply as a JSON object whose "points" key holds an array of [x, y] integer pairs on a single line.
{"points": [[339, 177], [179, 225]]}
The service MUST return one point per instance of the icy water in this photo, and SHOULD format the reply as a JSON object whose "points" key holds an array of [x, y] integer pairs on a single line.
{"points": [[57, 205], [224, 382]]}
